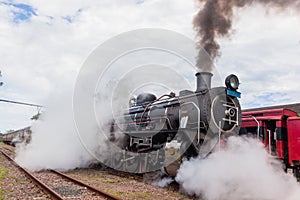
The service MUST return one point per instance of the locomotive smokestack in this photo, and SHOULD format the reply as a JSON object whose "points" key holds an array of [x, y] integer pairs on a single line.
{"points": [[203, 81]]}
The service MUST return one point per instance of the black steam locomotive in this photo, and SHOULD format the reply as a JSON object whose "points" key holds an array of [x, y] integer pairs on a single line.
{"points": [[160, 132]]}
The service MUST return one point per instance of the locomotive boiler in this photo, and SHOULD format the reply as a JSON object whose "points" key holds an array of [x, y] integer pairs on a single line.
{"points": [[158, 133]]}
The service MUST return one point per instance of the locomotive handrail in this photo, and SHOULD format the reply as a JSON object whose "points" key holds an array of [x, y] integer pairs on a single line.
{"points": [[258, 127], [220, 133], [149, 104], [155, 119], [169, 122], [159, 118], [269, 136], [198, 121]]}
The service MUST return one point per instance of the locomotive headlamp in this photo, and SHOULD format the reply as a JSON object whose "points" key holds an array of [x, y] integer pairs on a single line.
{"points": [[232, 82]]}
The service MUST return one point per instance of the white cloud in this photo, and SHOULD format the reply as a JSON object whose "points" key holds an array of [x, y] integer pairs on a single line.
{"points": [[46, 51], [264, 52]]}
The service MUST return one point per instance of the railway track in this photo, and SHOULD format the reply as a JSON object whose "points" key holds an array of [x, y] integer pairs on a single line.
{"points": [[60, 186], [123, 184], [42, 186]]}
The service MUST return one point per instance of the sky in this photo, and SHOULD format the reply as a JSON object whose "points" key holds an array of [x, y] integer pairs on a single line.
{"points": [[43, 45]]}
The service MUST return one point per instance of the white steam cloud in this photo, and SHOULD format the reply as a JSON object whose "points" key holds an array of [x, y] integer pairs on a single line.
{"points": [[55, 142], [62, 141], [242, 171], [164, 182]]}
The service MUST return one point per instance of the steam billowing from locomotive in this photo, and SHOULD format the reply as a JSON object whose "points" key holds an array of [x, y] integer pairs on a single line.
{"points": [[241, 170], [214, 20]]}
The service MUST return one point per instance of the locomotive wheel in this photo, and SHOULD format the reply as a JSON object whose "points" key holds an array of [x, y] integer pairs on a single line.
{"points": [[132, 163], [155, 160]]}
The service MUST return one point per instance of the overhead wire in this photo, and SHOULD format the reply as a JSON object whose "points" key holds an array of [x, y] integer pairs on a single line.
{"points": [[21, 103]]}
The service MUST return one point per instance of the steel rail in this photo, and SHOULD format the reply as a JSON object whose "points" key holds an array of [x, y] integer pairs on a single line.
{"points": [[41, 185], [56, 195], [99, 191]]}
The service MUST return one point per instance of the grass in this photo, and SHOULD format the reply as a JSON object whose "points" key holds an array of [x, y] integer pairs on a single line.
{"points": [[139, 195], [130, 195], [96, 176], [3, 173], [115, 193], [110, 181]]}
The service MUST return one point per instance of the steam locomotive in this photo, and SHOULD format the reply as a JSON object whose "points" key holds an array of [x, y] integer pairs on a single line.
{"points": [[158, 133]]}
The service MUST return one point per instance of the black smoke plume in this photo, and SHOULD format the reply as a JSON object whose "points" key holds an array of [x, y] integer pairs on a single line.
{"points": [[214, 20]]}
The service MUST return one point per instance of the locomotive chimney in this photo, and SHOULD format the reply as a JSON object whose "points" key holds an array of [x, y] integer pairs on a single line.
{"points": [[203, 81]]}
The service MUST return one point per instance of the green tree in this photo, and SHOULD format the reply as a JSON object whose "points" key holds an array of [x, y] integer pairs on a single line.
{"points": [[36, 117]]}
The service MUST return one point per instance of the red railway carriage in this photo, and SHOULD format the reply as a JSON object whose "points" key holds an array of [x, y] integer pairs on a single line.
{"points": [[279, 130], [294, 140]]}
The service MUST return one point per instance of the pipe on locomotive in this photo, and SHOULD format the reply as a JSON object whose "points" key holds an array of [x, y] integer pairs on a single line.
{"points": [[203, 81]]}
